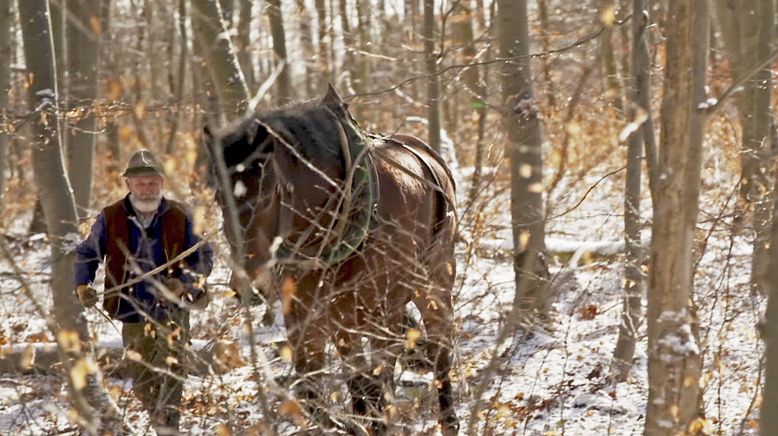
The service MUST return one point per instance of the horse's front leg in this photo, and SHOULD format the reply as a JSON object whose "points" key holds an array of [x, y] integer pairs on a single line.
{"points": [[307, 340]]}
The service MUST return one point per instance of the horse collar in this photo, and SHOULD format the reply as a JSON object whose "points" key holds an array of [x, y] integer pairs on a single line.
{"points": [[354, 208]]}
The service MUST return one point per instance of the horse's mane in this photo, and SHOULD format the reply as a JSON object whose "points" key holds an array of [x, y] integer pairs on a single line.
{"points": [[309, 127]]}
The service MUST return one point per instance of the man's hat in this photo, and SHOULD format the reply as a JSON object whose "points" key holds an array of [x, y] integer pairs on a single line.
{"points": [[143, 163]]}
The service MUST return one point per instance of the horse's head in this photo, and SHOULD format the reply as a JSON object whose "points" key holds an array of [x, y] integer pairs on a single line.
{"points": [[271, 172], [247, 191]]}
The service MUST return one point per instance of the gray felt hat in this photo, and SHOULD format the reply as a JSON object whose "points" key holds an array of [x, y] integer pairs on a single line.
{"points": [[143, 163]]}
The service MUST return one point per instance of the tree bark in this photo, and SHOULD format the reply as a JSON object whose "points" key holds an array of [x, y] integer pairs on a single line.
{"points": [[640, 97], [284, 88], [607, 53], [747, 29], [757, 124], [306, 40], [477, 89], [768, 422], [50, 176], [433, 80], [6, 16], [526, 161], [244, 44], [83, 40], [222, 63], [323, 64], [363, 64], [674, 361]]}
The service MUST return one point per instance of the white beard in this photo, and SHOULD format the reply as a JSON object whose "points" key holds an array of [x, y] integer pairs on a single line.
{"points": [[145, 205]]}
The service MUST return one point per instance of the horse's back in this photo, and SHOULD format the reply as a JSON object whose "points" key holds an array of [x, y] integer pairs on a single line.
{"points": [[417, 185]]}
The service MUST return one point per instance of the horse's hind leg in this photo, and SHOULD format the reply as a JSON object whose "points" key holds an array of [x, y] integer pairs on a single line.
{"points": [[437, 312]]}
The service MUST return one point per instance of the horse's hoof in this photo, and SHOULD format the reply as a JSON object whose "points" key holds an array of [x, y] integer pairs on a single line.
{"points": [[450, 426]]}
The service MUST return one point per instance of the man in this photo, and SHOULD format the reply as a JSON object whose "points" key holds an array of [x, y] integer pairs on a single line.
{"points": [[135, 236]]}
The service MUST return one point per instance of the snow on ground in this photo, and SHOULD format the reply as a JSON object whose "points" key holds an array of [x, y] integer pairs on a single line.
{"points": [[552, 381]]}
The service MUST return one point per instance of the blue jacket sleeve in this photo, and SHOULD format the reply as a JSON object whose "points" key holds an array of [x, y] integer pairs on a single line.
{"points": [[90, 253], [200, 263]]}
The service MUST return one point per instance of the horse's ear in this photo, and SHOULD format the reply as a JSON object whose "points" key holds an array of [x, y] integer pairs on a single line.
{"points": [[332, 100]]}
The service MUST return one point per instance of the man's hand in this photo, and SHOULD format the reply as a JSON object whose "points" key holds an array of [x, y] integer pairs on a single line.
{"points": [[87, 295], [174, 286]]}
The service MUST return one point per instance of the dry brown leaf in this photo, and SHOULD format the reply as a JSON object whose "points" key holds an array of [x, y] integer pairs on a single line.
{"points": [[411, 336], [227, 355], [69, 341], [288, 289], [80, 371], [222, 430]]}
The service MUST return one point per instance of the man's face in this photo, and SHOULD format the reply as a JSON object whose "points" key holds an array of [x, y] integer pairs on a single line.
{"points": [[145, 188]]}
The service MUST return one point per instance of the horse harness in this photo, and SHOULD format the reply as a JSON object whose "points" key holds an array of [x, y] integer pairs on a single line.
{"points": [[355, 205]]}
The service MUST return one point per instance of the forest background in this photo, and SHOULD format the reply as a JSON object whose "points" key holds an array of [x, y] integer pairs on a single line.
{"points": [[615, 168]]}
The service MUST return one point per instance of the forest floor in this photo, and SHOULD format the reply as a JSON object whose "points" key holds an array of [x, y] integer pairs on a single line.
{"points": [[551, 380]]}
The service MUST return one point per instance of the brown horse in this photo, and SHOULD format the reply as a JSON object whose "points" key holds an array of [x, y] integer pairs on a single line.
{"points": [[349, 227]]}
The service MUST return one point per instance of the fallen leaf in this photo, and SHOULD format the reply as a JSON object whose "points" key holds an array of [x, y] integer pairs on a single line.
{"points": [[69, 341], [288, 289]]}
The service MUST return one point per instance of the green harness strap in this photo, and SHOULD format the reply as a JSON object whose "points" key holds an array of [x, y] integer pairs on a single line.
{"points": [[358, 213]]}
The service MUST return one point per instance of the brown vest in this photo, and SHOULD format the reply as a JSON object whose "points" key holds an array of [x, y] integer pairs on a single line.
{"points": [[117, 245]]}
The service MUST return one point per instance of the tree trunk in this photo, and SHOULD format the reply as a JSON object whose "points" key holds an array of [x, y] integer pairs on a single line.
{"points": [[284, 88], [363, 67], [227, 11], [306, 40], [433, 80], [674, 361], [768, 422], [411, 12], [759, 143], [178, 85], [747, 40], [83, 41], [221, 61], [546, 61], [640, 97], [48, 164], [477, 90], [607, 53], [6, 16], [50, 176], [323, 65], [522, 122], [244, 44]]}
